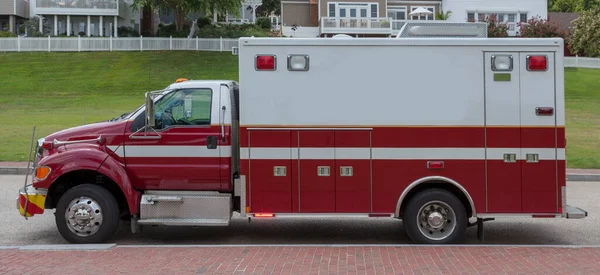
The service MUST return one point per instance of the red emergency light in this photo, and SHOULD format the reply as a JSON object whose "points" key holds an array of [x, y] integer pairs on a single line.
{"points": [[435, 165], [265, 63], [537, 63]]}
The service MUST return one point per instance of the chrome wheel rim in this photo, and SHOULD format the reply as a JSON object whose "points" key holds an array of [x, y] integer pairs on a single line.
{"points": [[436, 220], [84, 216]]}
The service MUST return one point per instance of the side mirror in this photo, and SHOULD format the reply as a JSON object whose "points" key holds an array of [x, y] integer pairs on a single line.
{"points": [[150, 120]]}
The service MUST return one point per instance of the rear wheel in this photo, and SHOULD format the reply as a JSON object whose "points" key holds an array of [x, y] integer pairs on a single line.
{"points": [[87, 213], [435, 216]]}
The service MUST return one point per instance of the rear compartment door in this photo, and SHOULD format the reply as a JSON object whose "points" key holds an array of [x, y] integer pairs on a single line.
{"points": [[503, 134], [521, 137], [538, 134]]}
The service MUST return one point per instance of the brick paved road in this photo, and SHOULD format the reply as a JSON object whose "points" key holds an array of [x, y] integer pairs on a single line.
{"points": [[305, 260]]}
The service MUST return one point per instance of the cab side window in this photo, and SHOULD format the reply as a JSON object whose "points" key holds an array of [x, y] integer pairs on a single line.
{"points": [[186, 107]]}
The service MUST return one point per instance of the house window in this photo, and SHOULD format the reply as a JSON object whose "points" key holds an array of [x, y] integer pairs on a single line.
{"points": [[423, 17], [397, 13], [360, 10], [471, 16], [510, 19], [331, 9], [374, 11]]}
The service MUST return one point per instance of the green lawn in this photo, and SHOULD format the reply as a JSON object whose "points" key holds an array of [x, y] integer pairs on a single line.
{"points": [[582, 100], [58, 90]]}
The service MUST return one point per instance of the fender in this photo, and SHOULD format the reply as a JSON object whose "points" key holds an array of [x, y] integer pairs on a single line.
{"points": [[115, 171], [87, 157], [436, 179]]}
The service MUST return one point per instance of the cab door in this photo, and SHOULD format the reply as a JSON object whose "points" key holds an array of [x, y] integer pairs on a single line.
{"points": [[182, 152]]}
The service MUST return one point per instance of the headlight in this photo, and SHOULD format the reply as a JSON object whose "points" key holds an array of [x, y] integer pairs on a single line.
{"points": [[38, 148]]}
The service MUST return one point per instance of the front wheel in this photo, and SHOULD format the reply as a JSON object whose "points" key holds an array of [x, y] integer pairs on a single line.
{"points": [[435, 216], [87, 213]]}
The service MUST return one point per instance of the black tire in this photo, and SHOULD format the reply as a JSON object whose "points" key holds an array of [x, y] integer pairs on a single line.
{"points": [[457, 223], [107, 214]]}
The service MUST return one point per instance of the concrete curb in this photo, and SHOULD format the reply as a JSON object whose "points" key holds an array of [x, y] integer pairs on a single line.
{"points": [[14, 170], [583, 177], [104, 247], [570, 177]]}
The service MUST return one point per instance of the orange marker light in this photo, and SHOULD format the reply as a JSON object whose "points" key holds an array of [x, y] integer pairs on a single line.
{"points": [[181, 80], [42, 172]]}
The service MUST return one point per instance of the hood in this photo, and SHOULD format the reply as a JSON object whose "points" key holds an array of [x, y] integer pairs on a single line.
{"points": [[89, 131]]}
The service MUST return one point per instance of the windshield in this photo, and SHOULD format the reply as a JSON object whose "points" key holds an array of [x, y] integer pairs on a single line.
{"points": [[130, 114]]}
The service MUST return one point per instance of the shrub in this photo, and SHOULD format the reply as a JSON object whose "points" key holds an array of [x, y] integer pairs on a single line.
{"points": [[537, 27], [203, 22], [585, 38], [263, 23], [125, 31], [232, 31], [7, 34], [496, 29]]}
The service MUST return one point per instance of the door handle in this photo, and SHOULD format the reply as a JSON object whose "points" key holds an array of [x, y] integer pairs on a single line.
{"points": [[510, 157], [211, 142], [222, 122]]}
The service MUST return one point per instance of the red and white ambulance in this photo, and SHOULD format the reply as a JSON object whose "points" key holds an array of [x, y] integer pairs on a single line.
{"points": [[443, 133]]}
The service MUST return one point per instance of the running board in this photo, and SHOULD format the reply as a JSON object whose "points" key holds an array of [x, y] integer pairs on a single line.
{"points": [[185, 208], [572, 212], [186, 222]]}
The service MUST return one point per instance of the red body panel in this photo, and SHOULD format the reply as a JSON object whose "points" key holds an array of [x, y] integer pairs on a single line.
{"points": [[503, 187], [511, 187], [391, 177]]}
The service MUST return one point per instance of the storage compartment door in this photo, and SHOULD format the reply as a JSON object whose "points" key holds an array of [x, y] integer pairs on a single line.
{"points": [[538, 133], [316, 171], [270, 173], [503, 134], [352, 171]]}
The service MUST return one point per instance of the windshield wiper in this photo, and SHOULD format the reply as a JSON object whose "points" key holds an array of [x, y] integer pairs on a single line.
{"points": [[120, 117]]}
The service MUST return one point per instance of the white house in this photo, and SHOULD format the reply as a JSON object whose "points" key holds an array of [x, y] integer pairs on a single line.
{"points": [[507, 11], [368, 18], [89, 17]]}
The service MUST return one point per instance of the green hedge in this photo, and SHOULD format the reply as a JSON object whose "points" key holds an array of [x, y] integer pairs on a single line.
{"points": [[207, 30]]}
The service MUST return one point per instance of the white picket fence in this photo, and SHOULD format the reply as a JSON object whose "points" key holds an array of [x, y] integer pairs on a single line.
{"points": [[582, 62], [87, 44]]}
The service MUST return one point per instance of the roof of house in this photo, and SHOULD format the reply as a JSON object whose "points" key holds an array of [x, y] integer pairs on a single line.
{"points": [[563, 19]]}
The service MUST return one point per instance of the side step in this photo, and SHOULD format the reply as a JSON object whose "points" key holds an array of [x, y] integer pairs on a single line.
{"points": [[185, 208], [573, 212]]}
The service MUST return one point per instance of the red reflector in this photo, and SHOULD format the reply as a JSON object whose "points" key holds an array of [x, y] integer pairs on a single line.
{"points": [[264, 215], [265, 62], [537, 63], [435, 165], [544, 111]]}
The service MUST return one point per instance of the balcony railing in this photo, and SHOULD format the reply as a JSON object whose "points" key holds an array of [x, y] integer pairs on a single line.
{"points": [[356, 25], [77, 4]]}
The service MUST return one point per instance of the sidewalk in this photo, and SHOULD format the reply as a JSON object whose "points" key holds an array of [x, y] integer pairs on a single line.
{"points": [[305, 260], [20, 168]]}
